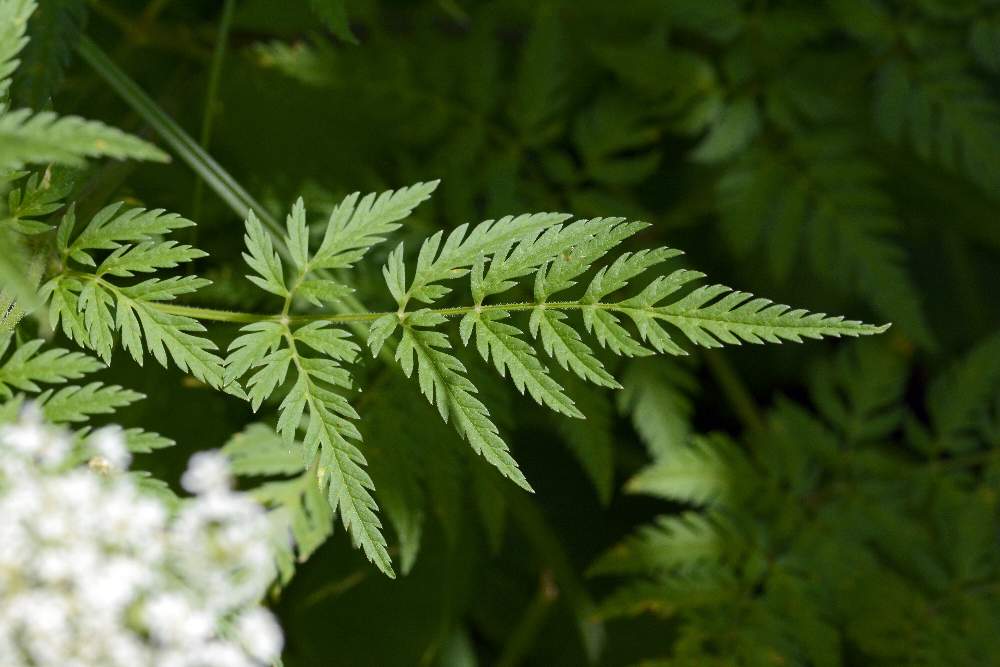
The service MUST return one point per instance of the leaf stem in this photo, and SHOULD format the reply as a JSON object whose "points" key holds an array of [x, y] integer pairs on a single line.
{"points": [[734, 390], [532, 622], [182, 144], [211, 314], [211, 93]]}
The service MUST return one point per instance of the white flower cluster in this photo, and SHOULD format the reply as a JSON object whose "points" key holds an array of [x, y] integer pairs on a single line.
{"points": [[94, 571]]}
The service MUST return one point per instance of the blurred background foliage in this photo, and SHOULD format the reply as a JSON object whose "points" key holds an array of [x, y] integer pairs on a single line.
{"points": [[825, 504]]}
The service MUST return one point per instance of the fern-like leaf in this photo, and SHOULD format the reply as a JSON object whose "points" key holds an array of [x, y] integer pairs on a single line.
{"points": [[657, 395], [91, 307], [706, 471], [443, 380], [33, 138], [79, 403], [823, 200], [511, 354], [669, 544], [358, 223], [41, 194], [14, 16], [452, 260], [944, 113], [26, 366], [498, 256], [267, 352]]}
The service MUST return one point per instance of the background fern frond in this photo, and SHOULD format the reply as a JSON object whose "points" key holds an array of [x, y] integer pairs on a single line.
{"points": [[14, 15], [55, 28], [704, 472]]}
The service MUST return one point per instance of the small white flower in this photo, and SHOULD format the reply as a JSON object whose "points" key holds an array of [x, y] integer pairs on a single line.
{"points": [[208, 472], [32, 438], [109, 444], [259, 634], [174, 619], [96, 571]]}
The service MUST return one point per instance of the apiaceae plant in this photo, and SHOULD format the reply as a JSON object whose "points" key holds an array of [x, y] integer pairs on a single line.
{"points": [[99, 304], [378, 360]]}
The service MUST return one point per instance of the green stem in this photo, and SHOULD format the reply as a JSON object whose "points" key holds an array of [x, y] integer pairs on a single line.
{"points": [[519, 644], [734, 390], [554, 558], [730, 382], [182, 144], [214, 315], [211, 93]]}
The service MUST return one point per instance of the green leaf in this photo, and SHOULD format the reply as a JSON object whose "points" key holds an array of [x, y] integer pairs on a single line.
{"points": [[436, 263], [657, 395], [147, 257], [617, 140], [95, 304], [38, 138], [26, 367], [671, 543], [500, 341], [257, 342], [331, 342], [511, 262], [356, 226], [259, 451], [301, 514], [957, 398], [715, 314], [341, 473], [826, 205], [37, 197], [64, 307], [78, 404], [166, 333], [298, 235], [943, 112], [19, 275], [574, 252], [262, 258], [139, 441], [337, 464], [860, 391], [444, 383], [14, 16], [733, 129], [381, 329], [111, 230], [704, 472], [333, 13], [84, 305], [565, 345]]}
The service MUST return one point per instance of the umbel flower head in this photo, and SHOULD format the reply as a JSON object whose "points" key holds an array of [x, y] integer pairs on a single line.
{"points": [[96, 571]]}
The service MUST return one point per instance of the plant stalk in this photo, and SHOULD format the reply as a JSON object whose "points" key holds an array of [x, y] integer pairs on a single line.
{"points": [[211, 94]]}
